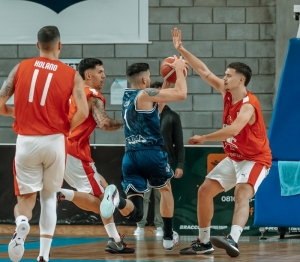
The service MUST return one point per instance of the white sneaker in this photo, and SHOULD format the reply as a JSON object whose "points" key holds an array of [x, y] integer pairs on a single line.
{"points": [[159, 232], [170, 244], [110, 201], [16, 245], [139, 231]]}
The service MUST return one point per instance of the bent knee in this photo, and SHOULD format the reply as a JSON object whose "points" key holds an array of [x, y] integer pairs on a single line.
{"points": [[166, 188], [243, 191], [203, 190], [136, 215], [210, 188]]}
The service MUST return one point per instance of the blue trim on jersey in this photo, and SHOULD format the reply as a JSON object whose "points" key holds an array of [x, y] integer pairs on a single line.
{"points": [[143, 110], [134, 189], [142, 127]]}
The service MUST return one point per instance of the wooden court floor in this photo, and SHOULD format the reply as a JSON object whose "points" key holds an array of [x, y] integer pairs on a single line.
{"points": [[90, 248]]}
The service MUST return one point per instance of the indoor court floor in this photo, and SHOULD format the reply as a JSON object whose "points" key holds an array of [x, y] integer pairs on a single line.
{"points": [[149, 248]]}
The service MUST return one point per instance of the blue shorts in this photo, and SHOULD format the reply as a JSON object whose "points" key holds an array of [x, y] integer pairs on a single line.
{"points": [[142, 168]]}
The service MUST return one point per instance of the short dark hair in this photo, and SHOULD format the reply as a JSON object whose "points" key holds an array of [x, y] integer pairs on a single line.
{"points": [[243, 69], [88, 63], [136, 69], [156, 84], [46, 35]]}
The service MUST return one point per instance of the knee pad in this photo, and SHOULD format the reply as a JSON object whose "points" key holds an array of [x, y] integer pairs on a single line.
{"points": [[137, 213]]}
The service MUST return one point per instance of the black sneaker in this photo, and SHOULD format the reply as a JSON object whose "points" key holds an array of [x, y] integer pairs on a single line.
{"points": [[118, 247], [197, 248], [226, 243], [60, 197], [41, 259]]}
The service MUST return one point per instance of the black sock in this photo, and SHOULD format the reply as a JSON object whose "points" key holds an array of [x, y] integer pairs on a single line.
{"points": [[122, 203], [168, 228]]}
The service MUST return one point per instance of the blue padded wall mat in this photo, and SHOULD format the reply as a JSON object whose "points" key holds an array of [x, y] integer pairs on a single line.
{"points": [[273, 210], [284, 131]]}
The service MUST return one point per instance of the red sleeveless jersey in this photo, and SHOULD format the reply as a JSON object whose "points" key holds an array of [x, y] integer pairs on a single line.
{"points": [[78, 143], [41, 98], [252, 142]]}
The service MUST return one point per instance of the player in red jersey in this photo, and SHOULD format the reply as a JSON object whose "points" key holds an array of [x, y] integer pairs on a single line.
{"points": [[81, 172], [42, 87], [247, 147]]}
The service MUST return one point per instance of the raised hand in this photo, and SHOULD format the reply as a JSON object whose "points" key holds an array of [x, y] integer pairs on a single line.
{"points": [[179, 63], [176, 34]]}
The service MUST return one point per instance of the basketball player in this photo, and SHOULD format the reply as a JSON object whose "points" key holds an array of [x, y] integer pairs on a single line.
{"points": [[144, 162], [80, 171], [171, 130], [245, 142], [42, 87]]}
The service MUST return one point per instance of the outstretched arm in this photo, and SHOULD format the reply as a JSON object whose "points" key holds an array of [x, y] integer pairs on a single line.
{"points": [[102, 119], [246, 113], [197, 64], [6, 92]]}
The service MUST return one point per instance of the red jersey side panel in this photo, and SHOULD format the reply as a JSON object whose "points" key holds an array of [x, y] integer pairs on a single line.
{"points": [[42, 91], [252, 142], [78, 144]]}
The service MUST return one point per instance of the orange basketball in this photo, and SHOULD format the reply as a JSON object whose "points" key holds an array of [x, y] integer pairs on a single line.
{"points": [[167, 72]]}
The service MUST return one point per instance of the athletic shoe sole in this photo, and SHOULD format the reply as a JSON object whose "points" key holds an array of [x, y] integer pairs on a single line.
{"points": [[22, 229], [16, 245], [223, 243], [107, 206], [114, 251], [190, 251]]}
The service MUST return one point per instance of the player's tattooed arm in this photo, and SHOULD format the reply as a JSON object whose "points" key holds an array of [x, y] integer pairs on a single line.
{"points": [[102, 119], [80, 101], [8, 88], [6, 92], [151, 91], [78, 89]]}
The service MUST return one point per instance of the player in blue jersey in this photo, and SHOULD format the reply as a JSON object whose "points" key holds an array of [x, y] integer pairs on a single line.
{"points": [[144, 163]]}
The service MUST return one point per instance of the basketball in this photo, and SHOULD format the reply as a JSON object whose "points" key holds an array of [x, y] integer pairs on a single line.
{"points": [[167, 72]]}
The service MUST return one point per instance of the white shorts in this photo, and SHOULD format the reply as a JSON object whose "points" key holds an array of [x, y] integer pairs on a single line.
{"points": [[83, 176], [39, 163], [229, 173]]}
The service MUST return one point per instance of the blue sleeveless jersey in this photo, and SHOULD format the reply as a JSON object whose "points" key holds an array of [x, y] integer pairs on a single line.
{"points": [[141, 127]]}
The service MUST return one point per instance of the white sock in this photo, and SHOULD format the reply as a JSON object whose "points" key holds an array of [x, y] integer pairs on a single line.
{"points": [[235, 232], [204, 234], [45, 245], [69, 194], [20, 218], [112, 231]]}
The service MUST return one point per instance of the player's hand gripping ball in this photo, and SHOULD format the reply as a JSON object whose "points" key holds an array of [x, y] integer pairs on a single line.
{"points": [[168, 72]]}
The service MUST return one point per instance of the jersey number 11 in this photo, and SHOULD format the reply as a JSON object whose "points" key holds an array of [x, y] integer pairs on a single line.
{"points": [[46, 87]]}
